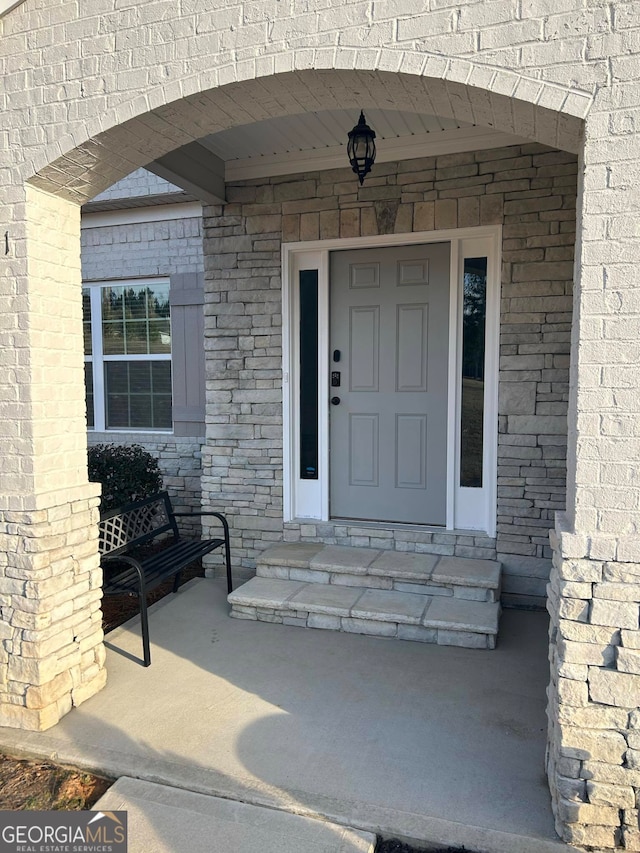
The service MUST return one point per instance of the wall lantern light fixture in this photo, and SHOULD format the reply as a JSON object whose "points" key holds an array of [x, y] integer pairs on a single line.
{"points": [[361, 148]]}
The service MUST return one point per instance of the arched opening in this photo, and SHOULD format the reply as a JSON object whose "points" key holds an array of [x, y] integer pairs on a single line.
{"points": [[279, 123], [91, 94], [524, 183], [130, 142]]}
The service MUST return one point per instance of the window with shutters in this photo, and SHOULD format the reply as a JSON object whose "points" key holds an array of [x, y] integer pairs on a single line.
{"points": [[144, 354]]}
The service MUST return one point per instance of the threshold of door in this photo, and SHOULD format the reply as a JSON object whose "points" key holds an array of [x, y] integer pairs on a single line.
{"points": [[400, 525]]}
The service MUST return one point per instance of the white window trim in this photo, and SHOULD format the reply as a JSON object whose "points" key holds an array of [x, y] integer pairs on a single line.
{"points": [[468, 509], [98, 358]]}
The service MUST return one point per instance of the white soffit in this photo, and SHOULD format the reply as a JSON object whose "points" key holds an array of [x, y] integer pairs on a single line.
{"points": [[315, 141]]}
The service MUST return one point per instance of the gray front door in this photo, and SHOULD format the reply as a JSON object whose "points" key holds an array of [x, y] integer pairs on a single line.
{"points": [[389, 352]]}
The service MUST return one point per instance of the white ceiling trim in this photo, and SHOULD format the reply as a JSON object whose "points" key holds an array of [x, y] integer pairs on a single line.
{"points": [[388, 150]]}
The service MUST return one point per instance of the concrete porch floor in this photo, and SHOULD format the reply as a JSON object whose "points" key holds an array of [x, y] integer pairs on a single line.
{"points": [[435, 744]]}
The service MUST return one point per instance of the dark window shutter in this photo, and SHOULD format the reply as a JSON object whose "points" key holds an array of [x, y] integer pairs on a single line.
{"points": [[187, 353]]}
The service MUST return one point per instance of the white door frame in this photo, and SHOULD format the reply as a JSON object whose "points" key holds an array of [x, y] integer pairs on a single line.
{"points": [[468, 509]]}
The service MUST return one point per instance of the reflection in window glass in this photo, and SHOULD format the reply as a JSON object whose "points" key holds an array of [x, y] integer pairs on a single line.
{"points": [[135, 320], [474, 312], [309, 374]]}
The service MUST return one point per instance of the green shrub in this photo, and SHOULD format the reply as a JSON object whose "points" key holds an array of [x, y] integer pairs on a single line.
{"points": [[127, 473]]}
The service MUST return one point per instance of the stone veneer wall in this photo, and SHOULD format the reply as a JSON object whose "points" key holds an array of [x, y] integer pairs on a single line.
{"points": [[531, 191], [51, 651]]}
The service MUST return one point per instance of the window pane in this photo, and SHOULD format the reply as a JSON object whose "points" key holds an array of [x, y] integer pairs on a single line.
{"points": [[162, 411], [139, 377], [159, 336], [158, 302], [88, 386], [309, 374], [161, 376], [159, 319], [135, 302], [136, 341], [117, 415], [474, 314], [140, 408], [138, 394], [112, 320], [118, 377]]}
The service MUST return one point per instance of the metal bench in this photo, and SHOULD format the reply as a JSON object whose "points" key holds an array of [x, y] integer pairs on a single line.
{"points": [[124, 529]]}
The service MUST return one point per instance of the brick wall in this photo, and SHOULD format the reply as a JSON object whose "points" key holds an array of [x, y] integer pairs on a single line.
{"points": [[531, 191]]}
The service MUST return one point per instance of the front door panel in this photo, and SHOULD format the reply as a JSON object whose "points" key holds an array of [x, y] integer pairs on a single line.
{"points": [[389, 345]]}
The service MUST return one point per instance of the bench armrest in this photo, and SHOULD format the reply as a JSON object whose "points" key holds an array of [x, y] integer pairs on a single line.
{"points": [[130, 561], [227, 543], [218, 515]]}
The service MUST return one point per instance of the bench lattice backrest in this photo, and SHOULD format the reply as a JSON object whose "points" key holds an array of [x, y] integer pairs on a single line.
{"points": [[136, 523]]}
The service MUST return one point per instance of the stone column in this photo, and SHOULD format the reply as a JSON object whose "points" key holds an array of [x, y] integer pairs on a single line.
{"points": [[51, 651], [594, 593]]}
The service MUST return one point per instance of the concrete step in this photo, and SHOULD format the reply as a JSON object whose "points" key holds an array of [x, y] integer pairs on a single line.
{"points": [[162, 819], [446, 620], [423, 574]]}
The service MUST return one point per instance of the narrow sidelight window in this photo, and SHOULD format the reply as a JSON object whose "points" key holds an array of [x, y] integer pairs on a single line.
{"points": [[474, 315], [309, 374]]}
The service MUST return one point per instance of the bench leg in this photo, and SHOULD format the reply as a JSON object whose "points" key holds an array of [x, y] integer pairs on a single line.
{"points": [[176, 582], [144, 622], [227, 551]]}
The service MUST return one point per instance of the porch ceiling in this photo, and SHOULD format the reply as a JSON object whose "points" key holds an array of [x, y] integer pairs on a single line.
{"points": [[318, 140], [313, 141]]}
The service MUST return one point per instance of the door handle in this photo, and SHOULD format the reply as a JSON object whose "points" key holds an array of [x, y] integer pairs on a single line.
{"points": [[335, 401]]}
